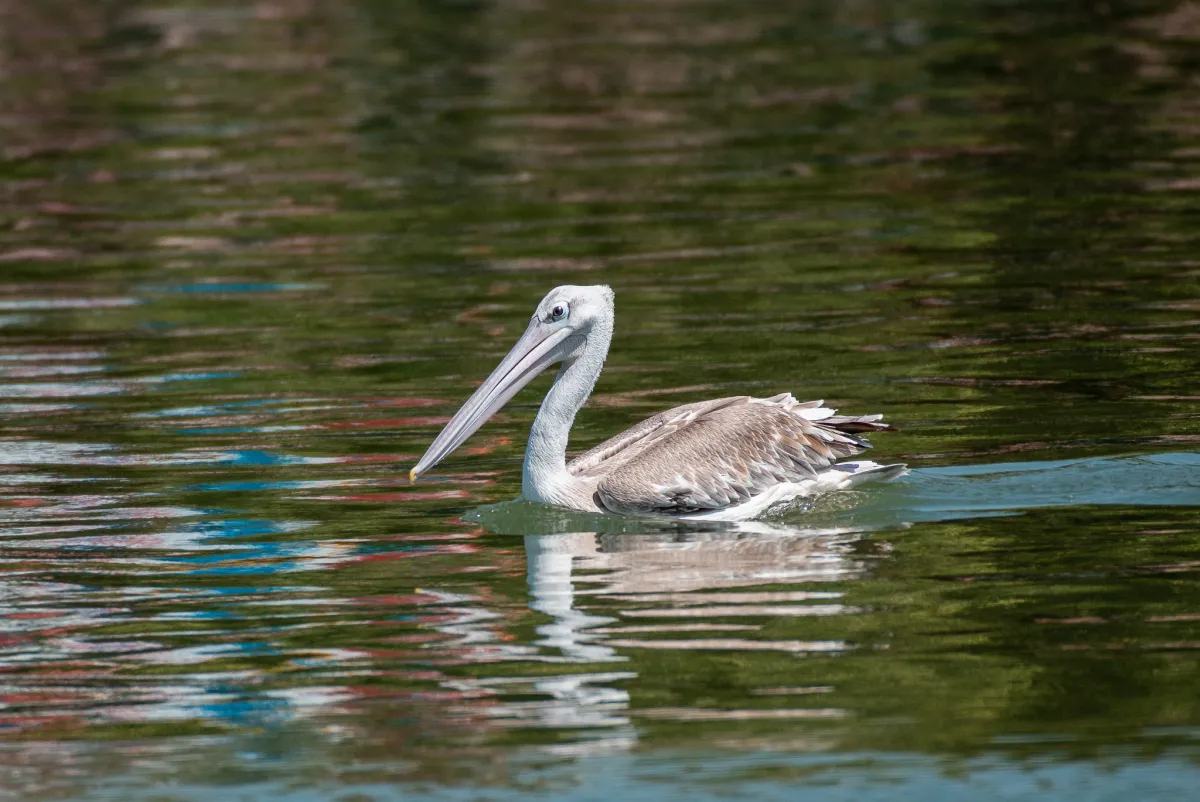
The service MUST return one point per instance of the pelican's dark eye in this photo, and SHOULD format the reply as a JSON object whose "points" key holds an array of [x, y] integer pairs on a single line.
{"points": [[559, 312]]}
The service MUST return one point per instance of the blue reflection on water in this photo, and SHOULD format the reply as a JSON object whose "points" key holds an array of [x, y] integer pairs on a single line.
{"points": [[249, 487], [240, 527], [189, 377], [668, 775], [251, 557], [206, 410], [256, 457], [242, 429]]}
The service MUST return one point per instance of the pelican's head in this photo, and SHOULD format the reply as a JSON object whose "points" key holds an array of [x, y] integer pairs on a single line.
{"points": [[562, 326]]}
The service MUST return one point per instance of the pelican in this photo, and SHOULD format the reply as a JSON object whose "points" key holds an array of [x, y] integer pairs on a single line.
{"points": [[729, 459]]}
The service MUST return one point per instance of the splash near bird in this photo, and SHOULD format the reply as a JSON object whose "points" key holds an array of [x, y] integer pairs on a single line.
{"points": [[729, 459]]}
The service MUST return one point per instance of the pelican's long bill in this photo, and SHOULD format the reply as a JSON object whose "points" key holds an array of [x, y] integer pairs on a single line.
{"points": [[532, 354]]}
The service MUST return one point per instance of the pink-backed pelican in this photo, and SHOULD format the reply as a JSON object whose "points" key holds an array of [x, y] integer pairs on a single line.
{"points": [[729, 459]]}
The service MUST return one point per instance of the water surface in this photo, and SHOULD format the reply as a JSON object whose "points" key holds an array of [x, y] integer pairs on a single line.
{"points": [[253, 255]]}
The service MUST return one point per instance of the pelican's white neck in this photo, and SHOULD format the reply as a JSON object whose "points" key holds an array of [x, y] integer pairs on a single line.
{"points": [[544, 476]]}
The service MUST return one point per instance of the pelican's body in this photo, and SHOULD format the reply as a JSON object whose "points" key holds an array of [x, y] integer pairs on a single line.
{"points": [[727, 459]]}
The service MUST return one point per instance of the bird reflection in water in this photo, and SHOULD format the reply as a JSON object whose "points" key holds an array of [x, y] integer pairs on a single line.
{"points": [[606, 594], [673, 583]]}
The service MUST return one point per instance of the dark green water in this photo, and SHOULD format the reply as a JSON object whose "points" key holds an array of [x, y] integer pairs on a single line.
{"points": [[252, 254]]}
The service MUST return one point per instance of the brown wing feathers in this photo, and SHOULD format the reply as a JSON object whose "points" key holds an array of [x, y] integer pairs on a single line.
{"points": [[711, 455]]}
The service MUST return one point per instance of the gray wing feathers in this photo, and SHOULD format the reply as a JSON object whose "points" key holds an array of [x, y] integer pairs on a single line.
{"points": [[715, 454], [618, 450]]}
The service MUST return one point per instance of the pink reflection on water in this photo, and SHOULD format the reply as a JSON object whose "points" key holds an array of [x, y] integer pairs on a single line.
{"points": [[362, 459], [17, 451], [62, 389], [36, 409], [405, 402], [50, 304], [429, 537], [35, 354], [387, 423], [416, 495], [154, 541], [432, 550], [35, 371]]}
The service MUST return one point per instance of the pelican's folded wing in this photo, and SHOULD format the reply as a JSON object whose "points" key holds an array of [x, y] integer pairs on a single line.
{"points": [[713, 455], [618, 450]]}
